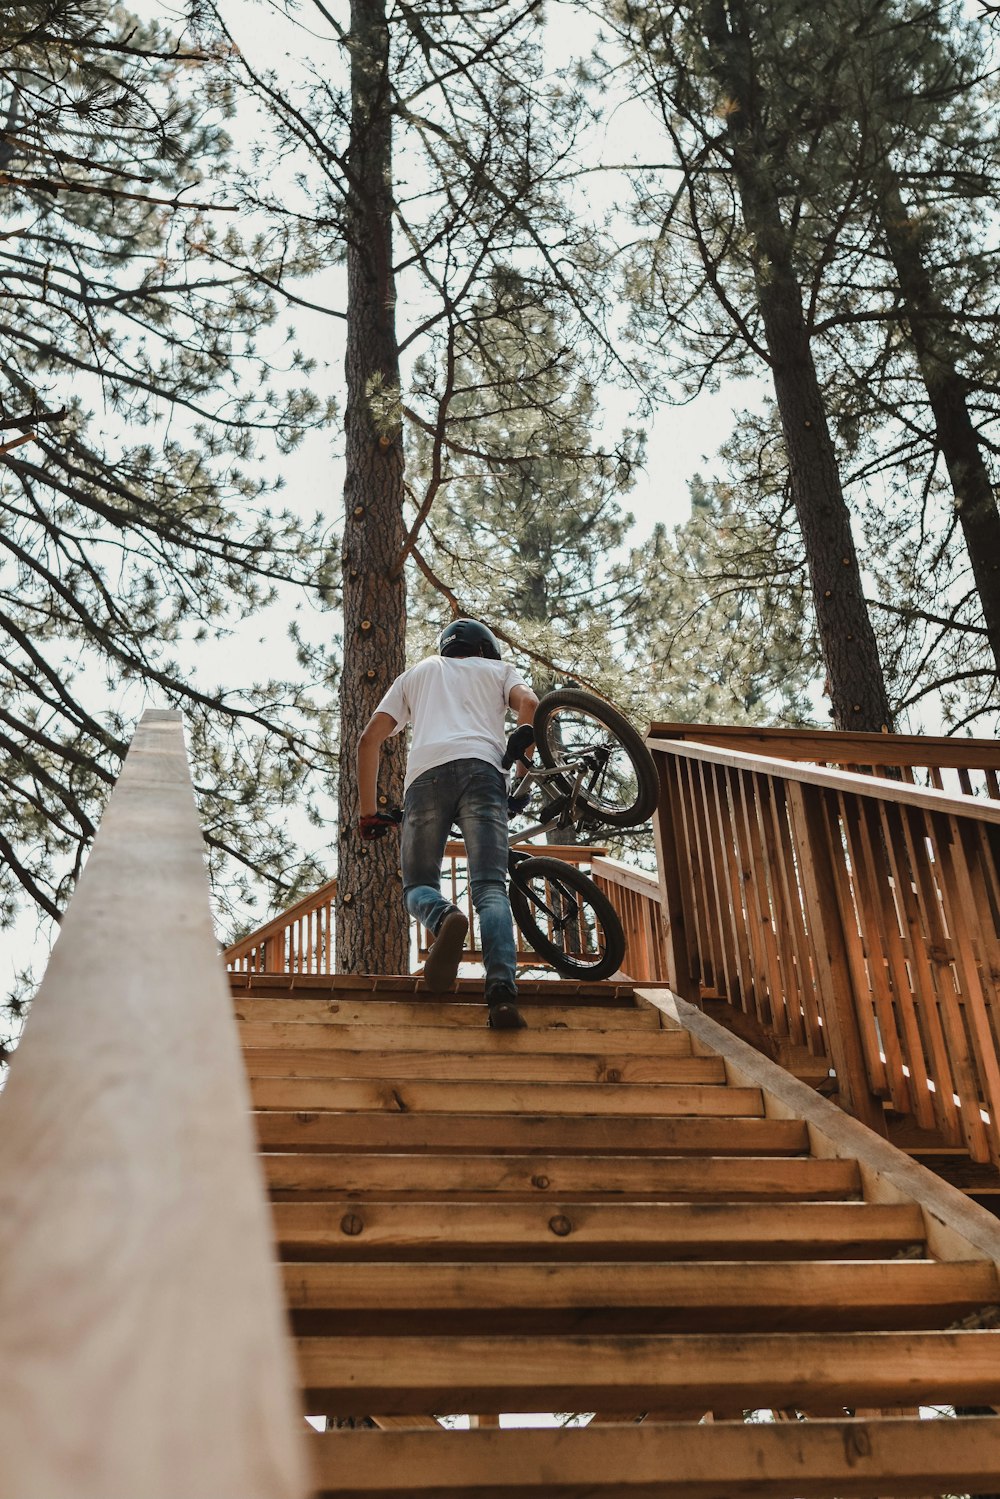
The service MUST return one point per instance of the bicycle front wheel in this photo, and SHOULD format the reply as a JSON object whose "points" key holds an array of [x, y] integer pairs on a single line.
{"points": [[566, 919], [603, 756]]}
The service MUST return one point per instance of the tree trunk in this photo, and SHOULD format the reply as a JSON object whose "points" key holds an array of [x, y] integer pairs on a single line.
{"points": [[847, 640], [372, 928], [975, 503]]}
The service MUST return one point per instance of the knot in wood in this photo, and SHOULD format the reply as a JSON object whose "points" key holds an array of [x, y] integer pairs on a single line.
{"points": [[348, 899], [366, 625], [351, 1224], [371, 674], [358, 511], [384, 442], [560, 1225], [613, 1075], [541, 1182], [828, 593]]}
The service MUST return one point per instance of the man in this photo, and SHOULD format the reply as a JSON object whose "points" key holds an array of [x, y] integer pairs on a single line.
{"points": [[456, 703]]}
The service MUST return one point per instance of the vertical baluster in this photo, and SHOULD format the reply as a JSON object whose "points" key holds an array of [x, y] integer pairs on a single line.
{"points": [[818, 858], [673, 855]]}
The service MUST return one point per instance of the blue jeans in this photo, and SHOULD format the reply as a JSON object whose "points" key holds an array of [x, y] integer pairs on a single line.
{"points": [[473, 794]]}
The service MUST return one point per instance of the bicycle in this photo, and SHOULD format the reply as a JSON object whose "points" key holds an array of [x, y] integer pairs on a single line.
{"points": [[594, 771]]}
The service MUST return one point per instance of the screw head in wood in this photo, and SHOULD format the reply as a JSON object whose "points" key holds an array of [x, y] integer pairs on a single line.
{"points": [[351, 1224], [560, 1225], [541, 1182]]}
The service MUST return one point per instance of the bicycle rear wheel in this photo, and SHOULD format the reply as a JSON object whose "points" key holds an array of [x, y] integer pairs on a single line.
{"points": [[594, 741], [566, 919]]}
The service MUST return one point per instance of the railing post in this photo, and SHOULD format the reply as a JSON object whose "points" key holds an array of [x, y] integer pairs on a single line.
{"points": [[838, 1000], [671, 859], [143, 1352]]}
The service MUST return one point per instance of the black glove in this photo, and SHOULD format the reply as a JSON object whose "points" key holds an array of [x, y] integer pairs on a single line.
{"points": [[379, 823], [517, 804], [521, 739]]}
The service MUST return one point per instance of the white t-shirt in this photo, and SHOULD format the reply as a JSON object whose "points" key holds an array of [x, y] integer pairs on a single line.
{"points": [[457, 706]]}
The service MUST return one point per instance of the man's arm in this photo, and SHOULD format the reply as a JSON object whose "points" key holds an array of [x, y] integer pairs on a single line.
{"points": [[521, 741], [375, 733], [524, 702]]}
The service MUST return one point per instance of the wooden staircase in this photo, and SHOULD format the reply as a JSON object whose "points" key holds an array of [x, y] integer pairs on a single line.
{"points": [[623, 1210]]}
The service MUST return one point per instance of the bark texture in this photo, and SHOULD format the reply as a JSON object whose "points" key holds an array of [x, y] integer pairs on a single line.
{"points": [[372, 928], [850, 652], [930, 333]]}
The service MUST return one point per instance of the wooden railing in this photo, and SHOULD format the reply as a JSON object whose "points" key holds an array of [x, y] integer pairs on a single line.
{"points": [[143, 1348], [856, 914], [637, 898], [299, 940]]}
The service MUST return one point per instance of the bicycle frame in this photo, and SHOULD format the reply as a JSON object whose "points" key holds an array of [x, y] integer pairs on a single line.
{"points": [[561, 805]]}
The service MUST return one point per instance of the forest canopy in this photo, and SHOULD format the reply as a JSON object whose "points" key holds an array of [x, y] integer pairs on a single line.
{"points": [[460, 269]]}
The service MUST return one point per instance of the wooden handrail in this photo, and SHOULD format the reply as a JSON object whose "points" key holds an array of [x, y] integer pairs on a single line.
{"points": [[299, 940], [829, 747], [143, 1349], [930, 798], [856, 915]]}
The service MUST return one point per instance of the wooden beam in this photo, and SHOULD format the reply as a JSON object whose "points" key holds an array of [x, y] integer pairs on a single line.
{"points": [[800, 1460], [293, 1000], [293, 1024], [613, 1069], [452, 1096], [658, 1179], [134, 1236], [352, 1375], [506, 1134], [613, 1230], [709, 1296]]}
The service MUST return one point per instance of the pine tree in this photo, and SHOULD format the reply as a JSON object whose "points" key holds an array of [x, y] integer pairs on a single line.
{"points": [[133, 522], [698, 62], [428, 170]]}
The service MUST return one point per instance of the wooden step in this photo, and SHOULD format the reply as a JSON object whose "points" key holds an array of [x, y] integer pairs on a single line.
{"points": [[731, 1460], [319, 1034], [504, 1065], [712, 1296], [453, 1096], [413, 1375], [516, 1134], [456, 1230], [438, 1014], [734, 1179]]}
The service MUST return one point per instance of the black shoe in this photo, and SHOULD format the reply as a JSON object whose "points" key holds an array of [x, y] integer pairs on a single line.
{"points": [[441, 967], [502, 1013]]}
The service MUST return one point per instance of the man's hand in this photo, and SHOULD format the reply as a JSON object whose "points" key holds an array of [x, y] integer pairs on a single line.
{"points": [[518, 744], [377, 824]]}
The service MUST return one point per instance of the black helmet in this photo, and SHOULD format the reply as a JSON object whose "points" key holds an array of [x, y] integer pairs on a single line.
{"points": [[467, 637]]}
